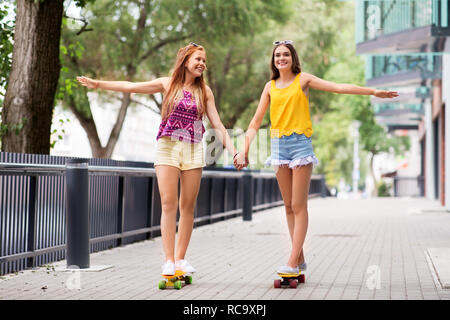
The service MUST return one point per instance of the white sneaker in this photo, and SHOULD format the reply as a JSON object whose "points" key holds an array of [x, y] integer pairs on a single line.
{"points": [[184, 266], [168, 269], [288, 270]]}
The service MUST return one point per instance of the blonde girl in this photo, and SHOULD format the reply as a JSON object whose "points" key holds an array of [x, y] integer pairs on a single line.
{"points": [[180, 155]]}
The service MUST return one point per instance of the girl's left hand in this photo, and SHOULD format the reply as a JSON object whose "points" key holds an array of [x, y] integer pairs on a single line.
{"points": [[240, 161], [385, 94]]}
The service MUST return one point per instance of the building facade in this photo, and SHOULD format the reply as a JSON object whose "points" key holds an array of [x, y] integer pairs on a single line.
{"points": [[406, 46]]}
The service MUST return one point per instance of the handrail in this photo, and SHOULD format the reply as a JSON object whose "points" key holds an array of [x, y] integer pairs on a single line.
{"points": [[38, 170], [52, 169]]}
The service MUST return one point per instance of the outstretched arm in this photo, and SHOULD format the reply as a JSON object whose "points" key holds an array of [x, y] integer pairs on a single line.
{"points": [[324, 85], [148, 87]]}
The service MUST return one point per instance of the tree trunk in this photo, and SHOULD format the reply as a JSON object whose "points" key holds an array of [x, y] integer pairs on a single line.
{"points": [[89, 126], [115, 132], [29, 99]]}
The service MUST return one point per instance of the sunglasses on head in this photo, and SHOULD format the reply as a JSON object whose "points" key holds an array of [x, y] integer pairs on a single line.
{"points": [[193, 44], [283, 42]]}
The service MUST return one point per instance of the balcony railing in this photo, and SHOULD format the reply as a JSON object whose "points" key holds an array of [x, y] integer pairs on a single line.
{"points": [[421, 66], [381, 108], [375, 18]]}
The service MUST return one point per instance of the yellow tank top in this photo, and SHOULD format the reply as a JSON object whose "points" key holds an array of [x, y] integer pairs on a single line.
{"points": [[289, 110]]}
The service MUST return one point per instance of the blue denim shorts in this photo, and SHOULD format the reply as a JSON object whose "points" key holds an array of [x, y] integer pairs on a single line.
{"points": [[292, 151]]}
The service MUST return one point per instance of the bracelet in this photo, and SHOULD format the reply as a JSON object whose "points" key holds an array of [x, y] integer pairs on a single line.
{"points": [[235, 155]]}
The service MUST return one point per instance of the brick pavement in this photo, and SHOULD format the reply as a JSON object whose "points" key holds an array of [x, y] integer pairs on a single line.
{"points": [[355, 249]]}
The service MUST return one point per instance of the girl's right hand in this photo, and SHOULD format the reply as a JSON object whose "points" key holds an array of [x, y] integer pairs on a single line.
{"points": [[88, 82], [240, 161]]}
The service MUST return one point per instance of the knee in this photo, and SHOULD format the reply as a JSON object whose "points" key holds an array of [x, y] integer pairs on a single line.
{"points": [[169, 205], [187, 206], [299, 208], [288, 207]]}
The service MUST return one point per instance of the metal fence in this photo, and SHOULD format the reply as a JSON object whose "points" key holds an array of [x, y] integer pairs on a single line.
{"points": [[409, 186], [124, 204]]}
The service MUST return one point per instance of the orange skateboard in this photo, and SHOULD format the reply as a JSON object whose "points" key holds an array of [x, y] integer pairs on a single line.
{"points": [[291, 280]]}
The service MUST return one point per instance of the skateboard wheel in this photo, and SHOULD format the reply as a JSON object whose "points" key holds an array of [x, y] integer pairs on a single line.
{"points": [[177, 284], [162, 284], [293, 284], [188, 280], [301, 278], [277, 283]]}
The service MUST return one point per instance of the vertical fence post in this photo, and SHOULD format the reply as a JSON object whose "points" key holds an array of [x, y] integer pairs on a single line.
{"points": [[323, 187], [77, 220], [31, 239], [247, 184], [120, 208]]}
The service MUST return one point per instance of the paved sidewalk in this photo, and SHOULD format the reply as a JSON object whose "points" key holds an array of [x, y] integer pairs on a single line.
{"points": [[355, 249]]}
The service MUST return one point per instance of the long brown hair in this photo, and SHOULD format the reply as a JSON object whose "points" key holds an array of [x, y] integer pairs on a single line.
{"points": [[296, 68], [175, 91]]}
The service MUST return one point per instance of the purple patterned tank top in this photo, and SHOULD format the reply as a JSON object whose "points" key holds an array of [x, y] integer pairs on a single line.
{"points": [[183, 123]]}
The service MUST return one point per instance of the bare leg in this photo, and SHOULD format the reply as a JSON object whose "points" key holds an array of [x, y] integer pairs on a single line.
{"points": [[284, 178], [168, 189], [300, 183], [190, 185]]}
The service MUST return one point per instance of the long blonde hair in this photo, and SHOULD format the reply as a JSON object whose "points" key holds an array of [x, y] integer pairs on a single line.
{"points": [[175, 92]]}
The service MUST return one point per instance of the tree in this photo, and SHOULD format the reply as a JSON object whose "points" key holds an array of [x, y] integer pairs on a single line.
{"points": [[137, 41], [6, 48], [6, 45], [376, 140], [33, 78]]}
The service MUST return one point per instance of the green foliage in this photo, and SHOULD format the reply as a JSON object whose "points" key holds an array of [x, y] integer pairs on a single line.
{"points": [[138, 41], [58, 133], [374, 138], [12, 127], [383, 189], [82, 3], [6, 44]]}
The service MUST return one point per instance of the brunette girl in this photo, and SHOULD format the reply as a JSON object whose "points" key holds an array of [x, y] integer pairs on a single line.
{"points": [[291, 130]]}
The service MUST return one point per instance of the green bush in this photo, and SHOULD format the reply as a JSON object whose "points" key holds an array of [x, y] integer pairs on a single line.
{"points": [[383, 189]]}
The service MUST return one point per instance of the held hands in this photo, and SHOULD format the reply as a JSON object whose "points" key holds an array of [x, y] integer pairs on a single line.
{"points": [[88, 82], [385, 94], [240, 161]]}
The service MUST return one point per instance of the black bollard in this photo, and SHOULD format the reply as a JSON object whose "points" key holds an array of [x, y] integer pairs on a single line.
{"points": [[323, 187], [247, 206], [77, 218]]}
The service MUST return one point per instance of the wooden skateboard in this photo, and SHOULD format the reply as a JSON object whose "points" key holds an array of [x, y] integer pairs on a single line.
{"points": [[175, 281], [290, 280]]}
